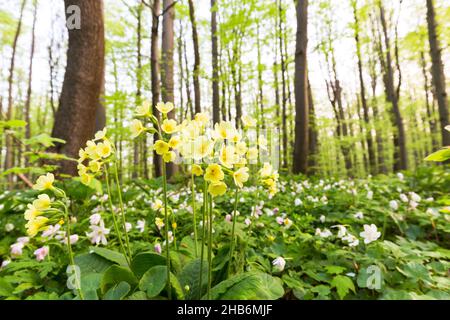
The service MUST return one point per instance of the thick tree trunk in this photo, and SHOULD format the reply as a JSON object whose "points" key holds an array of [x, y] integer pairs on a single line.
{"points": [[215, 63], [400, 153], [9, 157], [301, 146], [154, 63], [75, 118], [196, 75], [438, 72], [368, 133], [167, 78]]}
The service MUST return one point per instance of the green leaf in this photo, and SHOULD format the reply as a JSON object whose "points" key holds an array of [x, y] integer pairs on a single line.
{"points": [[335, 269], [110, 255], [116, 274], [89, 285], [6, 288], [138, 295], [43, 139], [117, 292], [144, 261], [441, 155], [248, 286], [343, 285], [154, 281], [322, 290], [15, 123], [190, 276], [91, 263], [415, 271]]}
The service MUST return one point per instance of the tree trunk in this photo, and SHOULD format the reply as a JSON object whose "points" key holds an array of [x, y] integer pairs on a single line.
{"points": [[30, 74], [283, 88], [301, 147], [368, 131], [215, 63], [9, 157], [260, 82], [154, 63], [196, 75], [167, 79], [438, 72], [82, 87], [313, 135], [400, 153]]}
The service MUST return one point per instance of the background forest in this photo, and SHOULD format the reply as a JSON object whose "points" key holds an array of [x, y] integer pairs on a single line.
{"points": [[374, 95]]}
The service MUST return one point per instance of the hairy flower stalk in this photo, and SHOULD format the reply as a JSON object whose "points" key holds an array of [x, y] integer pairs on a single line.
{"points": [[210, 248], [205, 199], [113, 214], [193, 214], [232, 231], [166, 229]]}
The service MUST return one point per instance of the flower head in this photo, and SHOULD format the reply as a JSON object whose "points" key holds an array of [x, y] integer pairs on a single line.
{"points": [[143, 110], [217, 188], [196, 170], [136, 128], [169, 126], [370, 233], [41, 253], [279, 263], [214, 173], [164, 107], [241, 176], [161, 147], [44, 182]]}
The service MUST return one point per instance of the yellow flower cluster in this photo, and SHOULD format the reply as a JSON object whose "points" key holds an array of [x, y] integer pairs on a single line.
{"points": [[222, 146], [34, 213], [269, 178], [93, 156]]}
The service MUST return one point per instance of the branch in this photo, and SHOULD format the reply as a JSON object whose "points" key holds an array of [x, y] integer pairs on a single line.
{"points": [[168, 8]]}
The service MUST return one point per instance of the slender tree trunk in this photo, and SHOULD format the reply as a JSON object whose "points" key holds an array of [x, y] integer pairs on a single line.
{"points": [[137, 145], [188, 83], [9, 157], [370, 146], [215, 63], [283, 87], [260, 81], [167, 77], [156, 91], [430, 116], [400, 153], [181, 77], [196, 58], [30, 74], [301, 146], [438, 72], [313, 134]]}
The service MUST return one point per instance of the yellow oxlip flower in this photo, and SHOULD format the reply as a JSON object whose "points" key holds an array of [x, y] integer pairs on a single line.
{"points": [[237, 137], [271, 238], [100, 135], [191, 130], [262, 142], [161, 147], [95, 166], [164, 107], [214, 173], [143, 110], [169, 126], [82, 169], [252, 153], [248, 121], [86, 179], [174, 142], [228, 156], [196, 170], [42, 202], [44, 182], [217, 188], [241, 176], [136, 128], [169, 156], [224, 130], [269, 182], [32, 212], [104, 149], [202, 118], [174, 225], [82, 155], [91, 150], [202, 147], [33, 226], [241, 148], [157, 205], [266, 170]]}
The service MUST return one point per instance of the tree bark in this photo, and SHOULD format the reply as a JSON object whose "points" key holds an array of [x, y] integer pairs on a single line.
{"points": [[154, 64], [301, 147], [167, 77], [215, 63], [196, 74], [438, 72], [9, 157], [400, 153], [312, 134], [83, 81], [283, 87], [368, 131]]}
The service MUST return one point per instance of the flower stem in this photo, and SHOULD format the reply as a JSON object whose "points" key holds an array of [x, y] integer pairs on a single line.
{"points": [[193, 213], [232, 231], [119, 191], [69, 248], [166, 225], [205, 198], [116, 227], [210, 248]]}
